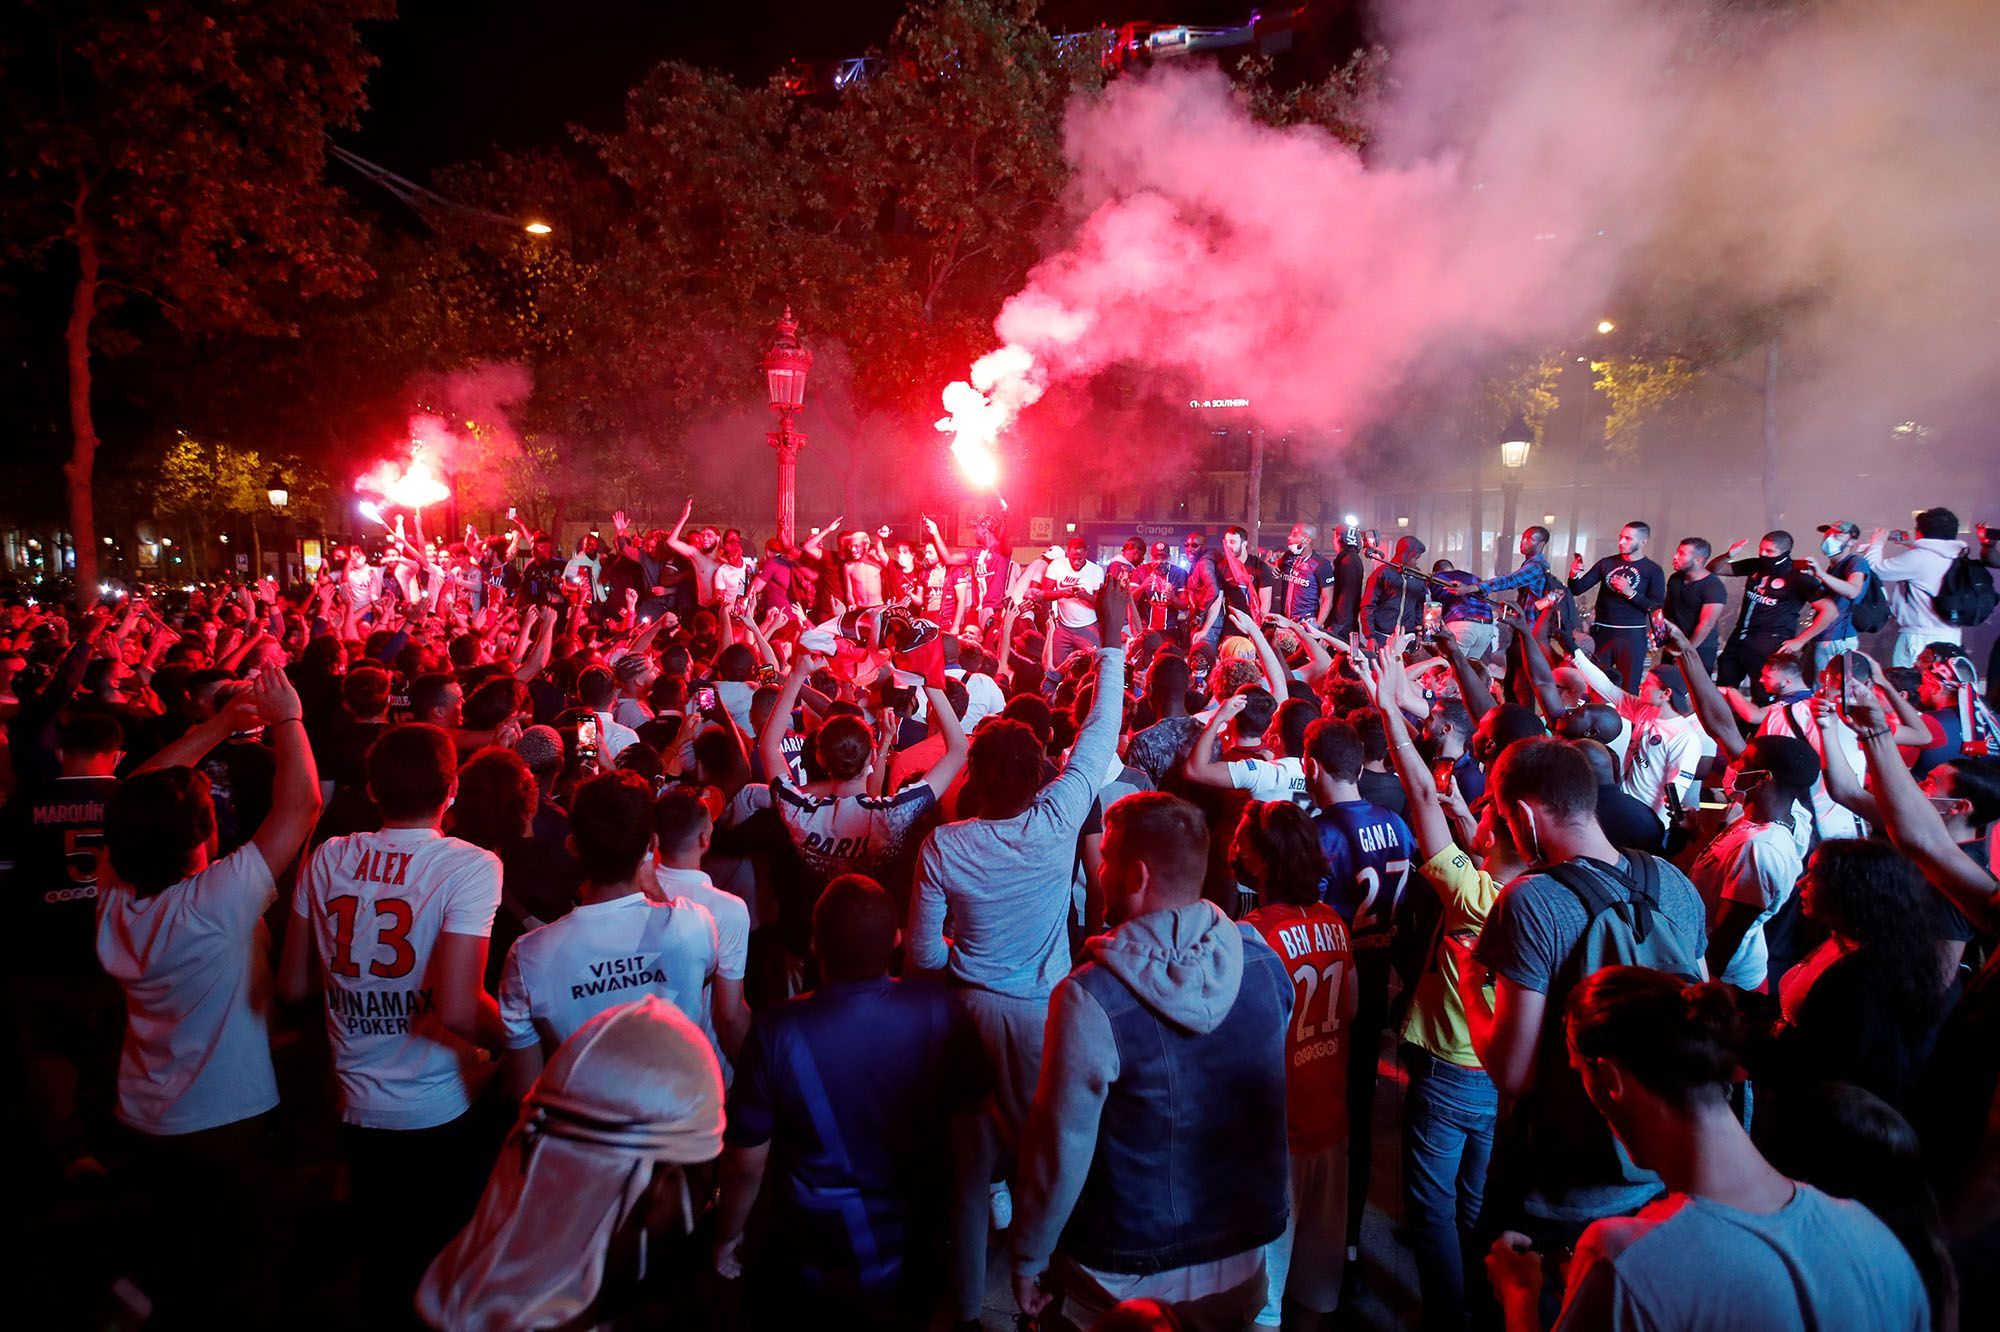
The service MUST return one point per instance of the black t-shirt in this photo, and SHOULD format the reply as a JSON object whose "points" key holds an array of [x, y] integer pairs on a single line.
{"points": [[1631, 591], [52, 842], [1685, 599], [1774, 592], [541, 583], [622, 574]]}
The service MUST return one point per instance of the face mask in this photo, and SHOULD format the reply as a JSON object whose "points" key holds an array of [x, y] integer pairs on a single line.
{"points": [[1534, 846], [1297, 547], [1831, 545]]}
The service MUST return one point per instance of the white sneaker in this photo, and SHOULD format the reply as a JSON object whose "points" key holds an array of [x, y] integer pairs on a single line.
{"points": [[1000, 1205]]}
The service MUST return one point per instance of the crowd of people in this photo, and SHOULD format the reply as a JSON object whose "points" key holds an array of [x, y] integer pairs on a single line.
{"points": [[682, 937]]}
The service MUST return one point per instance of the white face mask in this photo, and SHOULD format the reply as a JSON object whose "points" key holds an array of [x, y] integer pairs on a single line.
{"points": [[1831, 545], [1297, 547]]}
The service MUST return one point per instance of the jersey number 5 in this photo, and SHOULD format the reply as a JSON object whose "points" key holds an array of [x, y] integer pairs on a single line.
{"points": [[392, 931]]}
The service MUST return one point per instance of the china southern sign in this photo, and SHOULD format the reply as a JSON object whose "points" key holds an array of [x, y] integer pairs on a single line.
{"points": [[1218, 402]]}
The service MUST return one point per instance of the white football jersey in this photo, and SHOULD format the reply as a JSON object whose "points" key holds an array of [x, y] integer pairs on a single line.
{"points": [[376, 903]]}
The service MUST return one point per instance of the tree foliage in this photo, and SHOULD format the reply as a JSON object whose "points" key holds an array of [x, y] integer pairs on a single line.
{"points": [[174, 153]]}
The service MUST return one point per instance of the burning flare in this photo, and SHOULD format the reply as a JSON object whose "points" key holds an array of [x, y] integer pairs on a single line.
{"points": [[976, 412], [415, 486]]}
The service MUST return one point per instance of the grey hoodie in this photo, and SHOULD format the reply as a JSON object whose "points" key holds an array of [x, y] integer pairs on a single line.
{"points": [[1186, 965]]}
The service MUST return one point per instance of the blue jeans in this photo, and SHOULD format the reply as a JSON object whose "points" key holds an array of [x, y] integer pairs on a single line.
{"points": [[1447, 1141]]}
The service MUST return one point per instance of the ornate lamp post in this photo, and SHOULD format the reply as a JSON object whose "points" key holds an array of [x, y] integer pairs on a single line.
{"points": [[280, 496], [1515, 441], [785, 366]]}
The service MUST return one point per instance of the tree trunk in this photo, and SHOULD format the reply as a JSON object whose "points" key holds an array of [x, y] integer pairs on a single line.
{"points": [[83, 428]]}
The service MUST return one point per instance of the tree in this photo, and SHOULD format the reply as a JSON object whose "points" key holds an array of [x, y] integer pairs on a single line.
{"points": [[174, 152], [207, 483]]}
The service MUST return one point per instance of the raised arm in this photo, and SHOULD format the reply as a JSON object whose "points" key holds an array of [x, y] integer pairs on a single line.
{"points": [[1276, 678], [1472, 683], [1841, 782], [952, 762], [1600, 683], [771, 736], [674, 537], [1710, 708], [1913, 825], [295, 797], [1202, 766], [1427, 817]]}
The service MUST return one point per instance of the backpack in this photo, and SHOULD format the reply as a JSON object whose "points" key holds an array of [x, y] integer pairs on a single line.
{"points": [[1871, 608], [1966, 596], [1570, 1143]]}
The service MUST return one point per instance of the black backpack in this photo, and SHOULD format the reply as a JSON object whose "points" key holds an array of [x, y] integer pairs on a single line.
{"points": [[1966, 597], [1871, 608]]}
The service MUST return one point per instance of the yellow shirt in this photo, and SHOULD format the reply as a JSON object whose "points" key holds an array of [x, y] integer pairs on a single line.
{"points": [[1437, 1016]]}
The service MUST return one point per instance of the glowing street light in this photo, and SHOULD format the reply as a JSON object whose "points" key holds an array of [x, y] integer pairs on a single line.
{"points": [[1606, 326], [280, 495], [785, 364], [1515, 441], [538, 228]]}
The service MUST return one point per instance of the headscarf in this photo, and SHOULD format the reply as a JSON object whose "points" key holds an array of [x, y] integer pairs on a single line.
{"points": [[635, 1086]]}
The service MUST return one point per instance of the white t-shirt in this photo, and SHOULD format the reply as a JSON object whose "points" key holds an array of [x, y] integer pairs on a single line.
{"points": [[982, 697], [195, 963], [730, 580], [603, 954], [615, 736], [1069, 577], [376, 903], [1758, 865], [1271, 779], [731, 915], [1661, 749]]}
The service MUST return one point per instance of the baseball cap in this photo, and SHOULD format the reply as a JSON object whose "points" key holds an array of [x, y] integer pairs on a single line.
{"points": [[1053, 553], [1846, 527], [1159, 550]]}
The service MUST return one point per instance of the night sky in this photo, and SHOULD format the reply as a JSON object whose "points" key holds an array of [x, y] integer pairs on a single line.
{"points": [[459, 77]]}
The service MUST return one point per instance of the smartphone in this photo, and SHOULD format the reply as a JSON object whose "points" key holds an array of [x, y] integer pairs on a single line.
{"points": [[1659, 627], [704, 698], [1900, 537], [510, 513], [587, 735], [1859, 678]]}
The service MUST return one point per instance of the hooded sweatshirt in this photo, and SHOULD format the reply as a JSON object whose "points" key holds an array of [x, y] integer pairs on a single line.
{"points": [[1395, 599], [1910, 580], [1185, 965]]}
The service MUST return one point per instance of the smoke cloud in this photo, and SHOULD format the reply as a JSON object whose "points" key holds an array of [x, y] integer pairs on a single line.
{"points": [[1537, 165]]}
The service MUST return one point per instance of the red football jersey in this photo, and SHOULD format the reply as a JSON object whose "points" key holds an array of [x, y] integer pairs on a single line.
{"points": [[1312, 943]]}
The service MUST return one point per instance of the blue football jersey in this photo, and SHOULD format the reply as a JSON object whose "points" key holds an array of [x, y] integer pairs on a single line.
{"points": [[1369, 851]]}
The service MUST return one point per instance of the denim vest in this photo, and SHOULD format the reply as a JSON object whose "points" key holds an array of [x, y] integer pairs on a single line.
{"points": [[1190, 1165]]}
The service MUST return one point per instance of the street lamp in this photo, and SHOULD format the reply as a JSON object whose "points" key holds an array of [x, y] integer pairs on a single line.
{"points": [[1515, 442], [785, 364], [280, 496]]}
